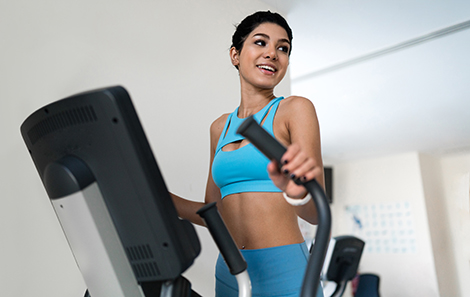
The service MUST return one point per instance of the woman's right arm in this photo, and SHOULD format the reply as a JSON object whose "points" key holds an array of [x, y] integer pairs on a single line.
{"points": [[186, 208]]}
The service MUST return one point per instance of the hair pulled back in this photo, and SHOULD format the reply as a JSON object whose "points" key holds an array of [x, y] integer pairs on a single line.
{"points": [[252, 21]]}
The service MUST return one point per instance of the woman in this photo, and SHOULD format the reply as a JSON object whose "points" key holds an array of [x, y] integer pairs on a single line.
{"points": [[247, 187]]}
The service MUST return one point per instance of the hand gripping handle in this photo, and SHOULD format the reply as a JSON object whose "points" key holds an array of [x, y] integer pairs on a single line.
{"points": [[269, 146]]}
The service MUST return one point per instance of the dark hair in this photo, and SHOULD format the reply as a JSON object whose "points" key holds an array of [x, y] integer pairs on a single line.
{"points": [[252, 21]]}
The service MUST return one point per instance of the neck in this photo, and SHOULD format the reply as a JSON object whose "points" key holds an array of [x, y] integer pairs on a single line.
{"points": [[253, 101]]}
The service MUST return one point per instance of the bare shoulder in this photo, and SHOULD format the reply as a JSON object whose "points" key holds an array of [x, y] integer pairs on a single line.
{"points": [[298, 104], [297, 108], [218, 125], [216, 129]]}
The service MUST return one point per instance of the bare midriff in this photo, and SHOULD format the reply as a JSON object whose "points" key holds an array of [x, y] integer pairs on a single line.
{"points": [[260, 220]]}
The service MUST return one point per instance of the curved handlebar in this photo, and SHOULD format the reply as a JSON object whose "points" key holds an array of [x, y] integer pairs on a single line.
{"points": [[269, 146]]}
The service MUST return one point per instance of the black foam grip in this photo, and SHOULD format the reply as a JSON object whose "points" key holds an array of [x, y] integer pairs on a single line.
{"points": [[274, 150], [224, 241], [261, 139]]}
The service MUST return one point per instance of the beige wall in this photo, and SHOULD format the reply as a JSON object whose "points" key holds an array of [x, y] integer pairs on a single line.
{"points": [[381, 181], [439, 225], [437, 188], [456, 188]]}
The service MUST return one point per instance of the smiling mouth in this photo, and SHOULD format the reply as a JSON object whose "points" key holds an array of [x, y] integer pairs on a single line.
{"points": [[267, 68]]}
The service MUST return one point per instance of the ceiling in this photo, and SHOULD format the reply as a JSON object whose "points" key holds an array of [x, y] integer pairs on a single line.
{"points": [[386, 77]]}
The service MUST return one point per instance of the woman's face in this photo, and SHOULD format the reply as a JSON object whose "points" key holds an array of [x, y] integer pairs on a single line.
{"points": [[264, 58]]}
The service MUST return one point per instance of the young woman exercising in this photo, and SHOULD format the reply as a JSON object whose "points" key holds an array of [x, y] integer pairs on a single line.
{"points": [[258, 201]]}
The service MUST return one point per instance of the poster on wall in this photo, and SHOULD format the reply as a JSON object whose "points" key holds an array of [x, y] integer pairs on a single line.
{"points": [[385, 227]]}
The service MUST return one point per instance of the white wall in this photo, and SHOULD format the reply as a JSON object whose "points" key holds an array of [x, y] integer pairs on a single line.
{"points": [[172, 56], [383, 181]]}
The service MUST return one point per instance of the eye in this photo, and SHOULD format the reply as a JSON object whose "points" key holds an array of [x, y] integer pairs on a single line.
{"points": [[260, 42], [284, 48]]}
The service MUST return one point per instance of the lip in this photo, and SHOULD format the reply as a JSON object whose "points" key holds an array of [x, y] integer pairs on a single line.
{"points": [[267, 68]]}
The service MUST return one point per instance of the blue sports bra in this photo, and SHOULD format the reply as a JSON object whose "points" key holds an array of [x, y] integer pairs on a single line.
{"points": [[244, 169]]}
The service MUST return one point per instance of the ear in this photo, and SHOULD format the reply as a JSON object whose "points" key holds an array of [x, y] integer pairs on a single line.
{"points": [[234, 56]]}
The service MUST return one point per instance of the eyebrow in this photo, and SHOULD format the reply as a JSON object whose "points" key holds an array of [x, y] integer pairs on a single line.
{"points": [[267, 36]]}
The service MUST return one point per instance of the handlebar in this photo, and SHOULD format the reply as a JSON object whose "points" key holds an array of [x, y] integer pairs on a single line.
{"points": [[224, 241], [274, 150], [227, 247]]}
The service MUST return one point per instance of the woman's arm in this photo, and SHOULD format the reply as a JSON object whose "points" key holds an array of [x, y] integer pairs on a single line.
{"points": [[302, 160], [186, 208], [212, 191]]}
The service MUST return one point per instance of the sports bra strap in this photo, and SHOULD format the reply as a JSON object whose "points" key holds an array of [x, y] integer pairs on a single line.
{"points": [[233, 122]]}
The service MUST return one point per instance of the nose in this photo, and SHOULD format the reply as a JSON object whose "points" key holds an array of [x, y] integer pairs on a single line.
{"points": [[270, 53]]}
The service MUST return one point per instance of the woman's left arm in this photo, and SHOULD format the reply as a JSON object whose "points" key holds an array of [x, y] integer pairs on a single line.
{"points": [[303, 158]]}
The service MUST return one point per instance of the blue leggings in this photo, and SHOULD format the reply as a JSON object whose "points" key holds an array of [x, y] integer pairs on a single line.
{"points": [[276, 271]]}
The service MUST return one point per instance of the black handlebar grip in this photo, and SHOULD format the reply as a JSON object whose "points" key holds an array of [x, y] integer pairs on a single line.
{"points": [[274, 150], [261, 139], [224, 241]]}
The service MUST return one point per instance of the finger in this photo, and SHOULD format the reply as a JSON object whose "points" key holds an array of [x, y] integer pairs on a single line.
{"points": [[291, 152], [304, 167], [279, 179], [297, 164], [311, 174], [273, 168]]}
